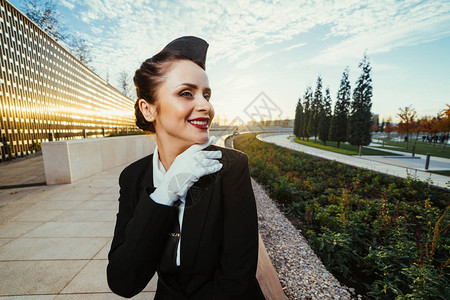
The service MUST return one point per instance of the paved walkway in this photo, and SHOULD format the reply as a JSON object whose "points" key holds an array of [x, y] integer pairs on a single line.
{"points": [[392, 165], [22, 171], [54, 240]]}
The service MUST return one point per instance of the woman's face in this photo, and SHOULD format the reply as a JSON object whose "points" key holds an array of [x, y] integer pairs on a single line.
{"points": [[183, 111]]}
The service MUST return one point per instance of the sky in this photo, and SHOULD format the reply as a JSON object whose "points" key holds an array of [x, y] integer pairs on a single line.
{"points": [[276, 49]]}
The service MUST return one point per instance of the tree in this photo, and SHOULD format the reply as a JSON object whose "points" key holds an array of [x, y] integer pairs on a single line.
{"points": [[45, 15], [307, 99], [80, 49], [298, 121], [388, 129], [124, 83], [360, 120], [325, 118], [407, 123], [338, 128], [383, 123], [445, 124], [316, 107]]}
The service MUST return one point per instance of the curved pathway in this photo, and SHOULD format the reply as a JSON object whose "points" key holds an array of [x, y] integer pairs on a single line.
{"points": [[400, 167]]}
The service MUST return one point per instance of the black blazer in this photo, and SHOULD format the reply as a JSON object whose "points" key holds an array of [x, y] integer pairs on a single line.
{"points": [[219, 244]]}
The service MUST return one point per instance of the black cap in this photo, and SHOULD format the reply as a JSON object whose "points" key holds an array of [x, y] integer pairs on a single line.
{"points": [[192, 47]]}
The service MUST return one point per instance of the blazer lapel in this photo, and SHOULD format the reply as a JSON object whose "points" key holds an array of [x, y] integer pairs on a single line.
{"points": [[193, 221]]}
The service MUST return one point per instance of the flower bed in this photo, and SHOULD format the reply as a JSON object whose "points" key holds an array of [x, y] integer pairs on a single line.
{"points": [[387, 237]]}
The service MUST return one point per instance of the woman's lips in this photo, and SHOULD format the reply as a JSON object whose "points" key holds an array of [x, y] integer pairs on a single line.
{"points": [[200, 125]]}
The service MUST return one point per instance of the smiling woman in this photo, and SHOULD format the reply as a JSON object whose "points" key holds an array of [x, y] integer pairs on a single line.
{"points": [[186, 212]]}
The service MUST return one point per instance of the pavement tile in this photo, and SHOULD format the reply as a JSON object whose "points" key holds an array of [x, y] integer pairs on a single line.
{"points": [[51, 248], [10, 195], [99, 204], [83, 189], [113, 190], [73, 229], [55, 204], [4, 241], [37, 277], [97, 215], [11, 210], [103, 254], [93, 279], [104, 296], [106, 197], [71, 196], [30, 297], [16, 229], [34, 215]]}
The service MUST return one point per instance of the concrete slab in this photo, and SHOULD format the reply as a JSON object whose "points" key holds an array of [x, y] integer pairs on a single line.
{"points": [[99, 204], [12, 173], [51, 248], [103, 253], [4, 241], [73, 229], [104, 296], [99, 215], [16, 229], [37, 277], [71, 196], [37, 215], [57, 205], [93, 279]]}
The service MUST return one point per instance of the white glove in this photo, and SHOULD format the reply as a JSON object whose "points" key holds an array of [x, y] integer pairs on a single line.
{"points": [[186, 169]]}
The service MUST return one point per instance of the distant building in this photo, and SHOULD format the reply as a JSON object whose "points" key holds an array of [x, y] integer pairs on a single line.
{"points": [[46, 93], [281, 123]]}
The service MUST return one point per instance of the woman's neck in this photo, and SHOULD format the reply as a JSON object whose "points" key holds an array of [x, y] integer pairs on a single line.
{"points": [[168, 151]]}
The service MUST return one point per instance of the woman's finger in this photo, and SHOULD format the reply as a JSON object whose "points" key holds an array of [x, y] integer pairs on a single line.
{"points": [[211, 154]]}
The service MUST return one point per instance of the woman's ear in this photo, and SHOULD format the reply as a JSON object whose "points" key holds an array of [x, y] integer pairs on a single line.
{"points": [[148, 110]]}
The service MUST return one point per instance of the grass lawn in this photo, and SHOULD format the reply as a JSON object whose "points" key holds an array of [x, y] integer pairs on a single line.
{"points": [[421, 148], [344, 149], [445, 173]]}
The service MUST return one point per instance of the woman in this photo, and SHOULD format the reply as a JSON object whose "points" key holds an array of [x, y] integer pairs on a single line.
{"points": [[187, 211]]}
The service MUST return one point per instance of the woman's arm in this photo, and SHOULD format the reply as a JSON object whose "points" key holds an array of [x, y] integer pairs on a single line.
{"points": [[139, 238], [236, 277]]}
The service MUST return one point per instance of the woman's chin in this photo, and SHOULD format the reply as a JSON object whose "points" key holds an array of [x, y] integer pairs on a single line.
{"points": [[201, 139]]}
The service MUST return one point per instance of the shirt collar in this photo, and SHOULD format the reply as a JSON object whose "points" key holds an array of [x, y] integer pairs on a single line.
{"points": [[159, 171]]}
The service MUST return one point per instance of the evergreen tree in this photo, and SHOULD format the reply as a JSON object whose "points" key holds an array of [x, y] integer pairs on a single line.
{"points": [[360, 120], [316, 107], [307, 99], [298, 121], [338, 130], [325, 118]]}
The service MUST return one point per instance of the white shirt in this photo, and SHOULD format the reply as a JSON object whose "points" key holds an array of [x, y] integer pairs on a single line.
{"points": [[158, 174]]}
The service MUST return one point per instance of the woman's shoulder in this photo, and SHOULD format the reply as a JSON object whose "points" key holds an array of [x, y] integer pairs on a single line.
{"points": [[229, 154], [136, 169]]}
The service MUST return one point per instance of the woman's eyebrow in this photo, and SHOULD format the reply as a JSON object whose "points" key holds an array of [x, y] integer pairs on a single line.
{"points": [[194, 86]]}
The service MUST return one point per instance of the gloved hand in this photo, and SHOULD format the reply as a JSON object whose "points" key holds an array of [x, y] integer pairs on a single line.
{"points": [[186, 169]]}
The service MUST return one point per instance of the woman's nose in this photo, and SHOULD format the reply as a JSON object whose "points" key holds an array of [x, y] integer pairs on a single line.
{"points": [[203, 104]]}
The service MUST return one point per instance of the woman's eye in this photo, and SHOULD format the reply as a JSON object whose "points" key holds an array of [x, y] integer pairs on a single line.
{"points": [[185, 94], [207, 96]]}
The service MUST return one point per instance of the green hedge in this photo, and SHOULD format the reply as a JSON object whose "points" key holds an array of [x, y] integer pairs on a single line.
{"points": [[388, 237]]}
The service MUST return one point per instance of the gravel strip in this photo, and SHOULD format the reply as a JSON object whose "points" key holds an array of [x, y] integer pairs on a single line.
{"points": [[301, 273]]}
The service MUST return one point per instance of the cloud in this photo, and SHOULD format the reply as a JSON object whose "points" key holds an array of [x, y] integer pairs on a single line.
{"points": [[245, 32], [295, 46], [383, 26], [67, 3]]}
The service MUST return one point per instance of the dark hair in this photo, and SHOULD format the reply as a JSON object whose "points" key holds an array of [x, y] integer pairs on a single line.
{"points": [[148, 78]]}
